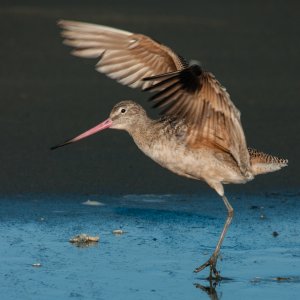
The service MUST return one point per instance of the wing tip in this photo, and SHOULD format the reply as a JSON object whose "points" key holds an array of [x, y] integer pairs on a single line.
{"points": [[62, 22]]}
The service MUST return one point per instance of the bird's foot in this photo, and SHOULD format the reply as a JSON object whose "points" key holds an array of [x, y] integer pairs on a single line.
{"points": [[212, 263]]}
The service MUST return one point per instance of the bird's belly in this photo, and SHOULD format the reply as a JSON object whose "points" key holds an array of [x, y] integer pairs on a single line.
{"points": [[200, 164]]}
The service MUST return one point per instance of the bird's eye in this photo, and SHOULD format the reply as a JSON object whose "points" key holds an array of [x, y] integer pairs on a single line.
{"points": [[123, 110]]}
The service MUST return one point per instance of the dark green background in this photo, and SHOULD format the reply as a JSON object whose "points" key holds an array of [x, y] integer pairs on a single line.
{"points": [[253, 48]]}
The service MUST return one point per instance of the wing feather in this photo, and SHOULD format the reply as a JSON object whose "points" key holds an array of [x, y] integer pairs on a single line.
{"points": [[124, 56], [207, 108], [186, 92]]}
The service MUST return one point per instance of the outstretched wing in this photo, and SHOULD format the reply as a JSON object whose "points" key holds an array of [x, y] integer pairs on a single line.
{"points": [[138, 61], [124, 56], [206, 106]]}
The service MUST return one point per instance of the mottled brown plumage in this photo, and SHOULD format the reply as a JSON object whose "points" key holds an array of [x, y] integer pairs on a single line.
{"points": [[200, 135], [207, 107]]}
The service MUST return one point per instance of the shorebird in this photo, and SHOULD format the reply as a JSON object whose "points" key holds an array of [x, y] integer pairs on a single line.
{"points": [[199, 136]]}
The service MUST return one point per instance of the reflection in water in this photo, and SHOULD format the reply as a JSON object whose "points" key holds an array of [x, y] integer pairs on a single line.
{"points": [[85, 245], [209, 290]]}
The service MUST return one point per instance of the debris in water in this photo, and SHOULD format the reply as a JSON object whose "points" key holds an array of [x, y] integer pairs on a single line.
{"points": [[275, 234], [37, 265], [282, 278], [118, 232], [84, 240], [92, 203]]}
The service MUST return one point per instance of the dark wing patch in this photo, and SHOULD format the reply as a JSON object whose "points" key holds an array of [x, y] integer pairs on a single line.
{"points": [[200, 99]]}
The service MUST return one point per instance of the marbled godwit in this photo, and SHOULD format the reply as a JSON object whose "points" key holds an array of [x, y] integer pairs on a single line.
{"points": [[200, 135]]}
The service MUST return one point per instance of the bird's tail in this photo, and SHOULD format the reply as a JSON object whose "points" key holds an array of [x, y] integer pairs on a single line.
{"points": [[264, 163]]}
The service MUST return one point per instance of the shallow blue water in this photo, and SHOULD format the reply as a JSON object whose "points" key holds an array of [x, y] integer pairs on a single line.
{"points": [[166, 237]]}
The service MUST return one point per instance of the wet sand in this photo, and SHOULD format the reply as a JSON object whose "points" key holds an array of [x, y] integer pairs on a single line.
{"points": [[166, 237], [48, 96]]}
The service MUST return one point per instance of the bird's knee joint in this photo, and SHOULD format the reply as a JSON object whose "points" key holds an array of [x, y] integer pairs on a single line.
{"points": [[230, 212]]}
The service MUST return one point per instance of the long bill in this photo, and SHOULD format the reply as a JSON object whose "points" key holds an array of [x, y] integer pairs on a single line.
{"points": [[106, 124]]}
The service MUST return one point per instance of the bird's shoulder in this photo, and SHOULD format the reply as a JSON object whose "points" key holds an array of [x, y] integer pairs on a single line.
{"points": [[171, 126]]}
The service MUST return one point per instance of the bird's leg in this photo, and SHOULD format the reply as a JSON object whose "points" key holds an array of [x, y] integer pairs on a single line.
{"points": [[212, 262]]}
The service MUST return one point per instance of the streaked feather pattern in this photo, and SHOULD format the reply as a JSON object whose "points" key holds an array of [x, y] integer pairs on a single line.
{"points": [[264, 163]]}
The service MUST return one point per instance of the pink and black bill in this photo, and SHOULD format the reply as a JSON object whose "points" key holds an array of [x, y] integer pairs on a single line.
{"points": [[106, 124]]}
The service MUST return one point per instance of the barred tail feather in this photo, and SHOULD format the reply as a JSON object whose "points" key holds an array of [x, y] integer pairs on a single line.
{"points": [[265, 163]]}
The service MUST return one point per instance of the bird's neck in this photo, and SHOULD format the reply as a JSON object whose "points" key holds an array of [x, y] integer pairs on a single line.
{"points": [[142, 132]]}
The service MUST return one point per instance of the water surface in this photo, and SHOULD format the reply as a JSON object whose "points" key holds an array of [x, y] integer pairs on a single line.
{"points": [[166, 237]]}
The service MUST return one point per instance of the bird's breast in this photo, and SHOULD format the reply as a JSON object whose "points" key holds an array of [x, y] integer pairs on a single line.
{"points": [[172, 154], [201, 164]]}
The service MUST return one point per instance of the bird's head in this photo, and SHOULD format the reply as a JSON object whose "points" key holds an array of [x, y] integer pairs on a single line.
{"points": [[124, 116]]}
